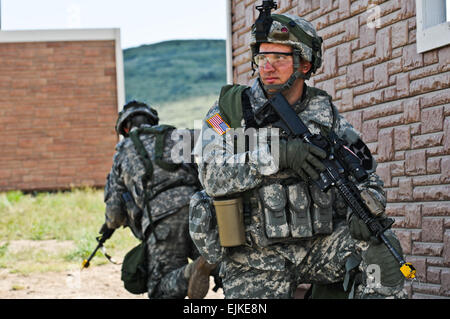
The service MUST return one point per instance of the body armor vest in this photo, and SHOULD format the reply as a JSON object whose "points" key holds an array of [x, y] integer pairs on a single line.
{"points": [[285, 208]]}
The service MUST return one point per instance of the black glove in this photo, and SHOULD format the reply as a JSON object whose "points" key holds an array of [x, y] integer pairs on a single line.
{"points": [[302, 157], [358, 229], [103, 229], [106, 232]]}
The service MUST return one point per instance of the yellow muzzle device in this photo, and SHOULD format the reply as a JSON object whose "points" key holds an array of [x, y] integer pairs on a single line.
{"points": [[408, 270]]}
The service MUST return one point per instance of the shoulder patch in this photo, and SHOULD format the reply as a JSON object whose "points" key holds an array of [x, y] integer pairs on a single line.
{"points": [[218, 124]]}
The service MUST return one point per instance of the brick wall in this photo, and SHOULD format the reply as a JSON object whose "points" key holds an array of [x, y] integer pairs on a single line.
{"points": [[399, 100], [58, 106]]}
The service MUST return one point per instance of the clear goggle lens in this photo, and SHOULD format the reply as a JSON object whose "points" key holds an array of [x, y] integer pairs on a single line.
{"points": [[274, 58]]}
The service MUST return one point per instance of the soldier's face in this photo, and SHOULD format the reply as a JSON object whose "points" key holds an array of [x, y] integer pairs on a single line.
{"points": [[279, 73]]}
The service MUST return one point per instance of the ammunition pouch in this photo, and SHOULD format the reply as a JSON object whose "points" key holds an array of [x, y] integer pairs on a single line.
{"points": [[299, 204], [321, 210], [293, 212], [275, 218]]}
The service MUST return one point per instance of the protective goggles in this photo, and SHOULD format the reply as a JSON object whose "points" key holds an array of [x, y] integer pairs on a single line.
{"points": [[274, 58]]}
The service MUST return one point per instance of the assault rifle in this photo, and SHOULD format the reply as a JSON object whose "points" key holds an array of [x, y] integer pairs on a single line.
{"points": [[101, 240], [341, 163]]}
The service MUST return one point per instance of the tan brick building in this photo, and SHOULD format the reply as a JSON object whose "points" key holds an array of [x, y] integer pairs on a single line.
{"points": [[59, 95], [387, 67]]}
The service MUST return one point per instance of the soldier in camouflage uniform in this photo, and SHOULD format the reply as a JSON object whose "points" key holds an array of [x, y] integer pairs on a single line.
{"points": [[150, 194], [294, 233]]}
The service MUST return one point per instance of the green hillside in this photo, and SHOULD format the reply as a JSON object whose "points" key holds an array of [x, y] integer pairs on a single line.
{"points": [[184, 113], [174, 70]]}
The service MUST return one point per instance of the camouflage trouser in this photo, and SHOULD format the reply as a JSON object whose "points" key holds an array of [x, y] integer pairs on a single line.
{"points": [[325, 263], [168, 256]]}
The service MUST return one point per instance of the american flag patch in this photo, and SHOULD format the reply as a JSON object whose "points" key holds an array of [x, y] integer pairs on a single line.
{"points": [[218, 124]]}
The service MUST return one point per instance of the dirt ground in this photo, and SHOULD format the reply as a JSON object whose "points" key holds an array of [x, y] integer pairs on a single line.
{"points": [[95, 282]]}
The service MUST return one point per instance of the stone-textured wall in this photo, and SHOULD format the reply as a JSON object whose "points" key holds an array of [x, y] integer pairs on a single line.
{"points": [[398, 99]]}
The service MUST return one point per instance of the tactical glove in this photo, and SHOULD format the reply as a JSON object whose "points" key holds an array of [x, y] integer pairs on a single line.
{"points": [[376, 205], [359, 230], [302, 157]]}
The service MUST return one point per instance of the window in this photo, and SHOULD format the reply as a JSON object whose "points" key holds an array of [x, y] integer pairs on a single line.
{"points": [[433, 24]]}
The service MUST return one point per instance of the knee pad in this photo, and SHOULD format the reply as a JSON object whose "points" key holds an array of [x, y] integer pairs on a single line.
{"points": [[379, 254]]}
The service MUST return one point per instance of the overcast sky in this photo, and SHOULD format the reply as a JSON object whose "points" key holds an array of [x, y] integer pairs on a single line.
{"points": [[140, 21]]}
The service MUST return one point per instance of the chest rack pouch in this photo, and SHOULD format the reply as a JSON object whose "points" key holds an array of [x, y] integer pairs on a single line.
{"points": [[274, 201], [296, 211], [299, 205], [321, 210]]}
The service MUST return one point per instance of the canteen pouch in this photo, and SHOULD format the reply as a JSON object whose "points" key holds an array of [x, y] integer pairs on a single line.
{"points": [[134, 270], [321, 210], [299, 204], [230, 221], [274, 201]]}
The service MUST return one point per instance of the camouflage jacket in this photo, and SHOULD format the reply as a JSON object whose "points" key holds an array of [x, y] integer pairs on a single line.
{"points": [[128, 173], [225, 172]]}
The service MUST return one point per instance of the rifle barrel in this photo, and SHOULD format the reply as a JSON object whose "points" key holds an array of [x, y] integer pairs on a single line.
{"points": [[101, 240]]}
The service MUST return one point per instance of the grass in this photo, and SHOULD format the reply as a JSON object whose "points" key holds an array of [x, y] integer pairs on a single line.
{"points": [[71, 218]]}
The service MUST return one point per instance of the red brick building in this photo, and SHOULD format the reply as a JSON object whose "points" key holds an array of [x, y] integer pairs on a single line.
{"points": [[387, 66], [60, 91]]}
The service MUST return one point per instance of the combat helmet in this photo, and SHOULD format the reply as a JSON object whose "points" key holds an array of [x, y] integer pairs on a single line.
{"points": [[131, 109], [290, 30]]}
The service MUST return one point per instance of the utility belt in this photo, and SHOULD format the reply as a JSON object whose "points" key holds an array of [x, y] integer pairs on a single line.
{"points": [[282, 211]]}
